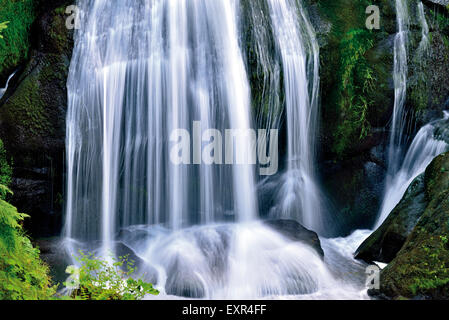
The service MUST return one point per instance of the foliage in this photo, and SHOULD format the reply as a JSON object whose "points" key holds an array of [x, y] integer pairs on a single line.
{"points": [[349, 70], [3, 26], [356, 81], [23, 276], [106, 280], [15, 42]]}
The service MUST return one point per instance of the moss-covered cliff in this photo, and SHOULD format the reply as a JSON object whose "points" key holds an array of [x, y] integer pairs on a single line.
{"points": [[32, 115]]}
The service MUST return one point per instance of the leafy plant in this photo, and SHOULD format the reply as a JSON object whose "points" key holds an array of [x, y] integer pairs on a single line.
{"points": [[356, 82], [23, 276], [3, 26], [98, 279]]}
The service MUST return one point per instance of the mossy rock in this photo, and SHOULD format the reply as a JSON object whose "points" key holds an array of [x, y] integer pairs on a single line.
{"points": [[32, 123], [421, 268], [383, 244], [356, 77]]}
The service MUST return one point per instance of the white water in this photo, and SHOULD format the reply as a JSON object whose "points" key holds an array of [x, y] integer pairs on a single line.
{"points": [[139, 71], [398, 125], [242, 261], [3, 90], [299, 196], [424, 44], [424, 148]]}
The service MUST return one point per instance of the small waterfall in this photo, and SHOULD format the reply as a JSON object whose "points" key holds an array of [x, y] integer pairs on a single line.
{"points": [[299, 54], [398, 126], [3, 90], [400, 89], [424, 44], [424, 148]]}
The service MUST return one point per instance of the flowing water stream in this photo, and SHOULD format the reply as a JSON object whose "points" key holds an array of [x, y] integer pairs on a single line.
{"points": [[424, 148], [398, 126], [3, 90]]}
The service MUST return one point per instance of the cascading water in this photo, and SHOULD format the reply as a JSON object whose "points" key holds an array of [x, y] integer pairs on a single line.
{"points": [[3, 90], [400, 89], [299, 53], [398, 126], [424, 148], [139, 71], [424, 44]]}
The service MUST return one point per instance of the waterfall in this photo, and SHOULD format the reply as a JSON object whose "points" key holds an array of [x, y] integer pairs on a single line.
{"points": [[400, 88], [398, 126], [424, 44], [3, 90], [424, 148], [143, 69], [139, 71], [299, 54]]}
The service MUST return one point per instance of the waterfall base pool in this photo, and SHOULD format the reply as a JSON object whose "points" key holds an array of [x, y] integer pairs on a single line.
{"points": [[240, 261]]}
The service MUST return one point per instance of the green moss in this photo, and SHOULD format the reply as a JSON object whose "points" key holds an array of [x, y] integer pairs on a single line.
{"points": [[356, 81], [27, 109], [421, 268], [14, 46]]}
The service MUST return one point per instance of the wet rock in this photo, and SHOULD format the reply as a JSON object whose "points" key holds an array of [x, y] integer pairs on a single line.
{"points": [[421, 268], [296, 232], [355, 187], [388, 239], [54, 254]]}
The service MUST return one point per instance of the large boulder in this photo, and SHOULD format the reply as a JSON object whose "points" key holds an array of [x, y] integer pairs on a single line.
{"points": [[32, 123], [296, 232], [421, 268]]}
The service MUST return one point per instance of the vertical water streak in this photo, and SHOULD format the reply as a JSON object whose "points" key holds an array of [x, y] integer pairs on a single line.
{"points": [[400, 88], [299, 53], [3, 90], [424, 44]]}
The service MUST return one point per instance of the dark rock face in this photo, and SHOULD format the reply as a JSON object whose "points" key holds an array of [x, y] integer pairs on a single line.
{"points": [[427, 89], [388, 239], [420, 269], [296, 232], [356, 188], [32, 123], [54, 254]]}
